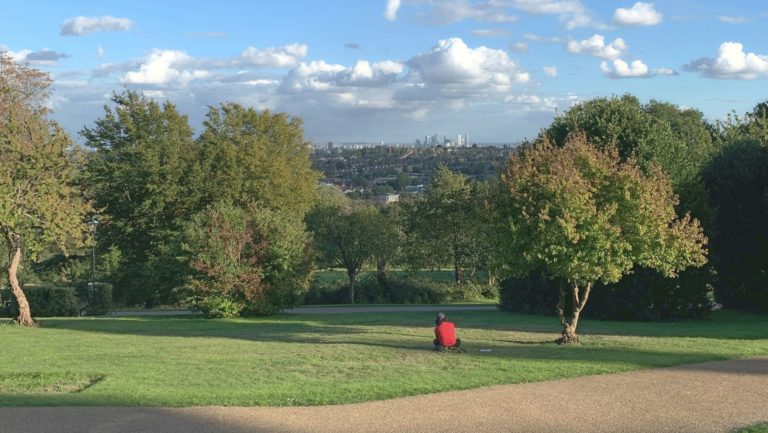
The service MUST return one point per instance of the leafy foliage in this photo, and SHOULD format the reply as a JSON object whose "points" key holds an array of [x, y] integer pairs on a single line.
{"points": [[245, 260], [251, 156], [48, 301], [583, 215], [346, 234], [142, 177], [445, 227], [737, 181], [41, 204]]}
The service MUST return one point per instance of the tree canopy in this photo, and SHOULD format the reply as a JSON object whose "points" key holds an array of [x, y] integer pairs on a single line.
{"points": [[41, 203], [144, 178], [584, 214]]}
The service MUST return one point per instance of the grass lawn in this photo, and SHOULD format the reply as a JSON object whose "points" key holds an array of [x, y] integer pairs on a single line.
{"points": [[327, 359], [759, 428]]}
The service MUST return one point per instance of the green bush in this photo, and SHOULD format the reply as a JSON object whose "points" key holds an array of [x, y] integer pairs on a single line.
{"points": [[531, 295], [46, 301], [5, 302], [216, 307], [98, 300], [642, 295], [321, 292], [395, 289]]}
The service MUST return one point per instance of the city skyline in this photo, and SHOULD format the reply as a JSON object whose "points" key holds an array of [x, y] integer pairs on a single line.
{"points": [[391, 70]]}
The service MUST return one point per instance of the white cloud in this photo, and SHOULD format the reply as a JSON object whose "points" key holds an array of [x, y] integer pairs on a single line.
{"points": [[392, 7], [261, 82], [490, 33], [572, 13], [538, 38], [731, 62], [636, 69], [157, 94], [550, 71], [320, 76], [640, 14], [43, 57], [100, 52], [83, 25], [734, 20], [452, 62], [533, 102], [165, 67], [520, 47], [596, 46], [452, 11], [664, 71], [286, 56]]}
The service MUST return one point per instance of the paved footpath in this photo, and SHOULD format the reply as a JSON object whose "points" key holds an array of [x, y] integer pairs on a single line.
{"points": [[701, 398]]}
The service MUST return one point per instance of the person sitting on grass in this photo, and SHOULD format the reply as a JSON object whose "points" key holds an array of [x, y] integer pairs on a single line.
{"points": [[445, 334]]}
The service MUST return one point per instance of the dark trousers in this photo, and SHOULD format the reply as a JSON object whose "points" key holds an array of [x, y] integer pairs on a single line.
{"points": [[440, 347]]}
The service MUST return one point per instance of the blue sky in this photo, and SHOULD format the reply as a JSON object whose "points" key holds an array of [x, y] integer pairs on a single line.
{"points": [[394, 70]]}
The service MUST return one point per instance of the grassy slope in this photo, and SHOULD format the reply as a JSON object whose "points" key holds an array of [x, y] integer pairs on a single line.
{"points": [[322, 359]]}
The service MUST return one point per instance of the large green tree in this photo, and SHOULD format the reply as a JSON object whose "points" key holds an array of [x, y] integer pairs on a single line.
{"points": [[680, 142], [41, 204], [584, 215], [443, 227], [737, 182], [145, 179], [344, 233], [251, 156]]}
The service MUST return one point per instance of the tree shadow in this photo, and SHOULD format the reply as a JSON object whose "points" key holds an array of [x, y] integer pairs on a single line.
{"points": [[138, 419]]}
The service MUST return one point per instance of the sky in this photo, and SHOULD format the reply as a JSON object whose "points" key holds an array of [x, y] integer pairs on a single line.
{"points": [[394, 70]]}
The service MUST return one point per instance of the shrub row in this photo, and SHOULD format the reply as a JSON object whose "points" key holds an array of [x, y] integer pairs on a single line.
{"points": [[398, 290], [50, 300], [642, 295]]}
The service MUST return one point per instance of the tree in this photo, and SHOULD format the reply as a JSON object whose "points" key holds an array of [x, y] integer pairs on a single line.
{"points": [[583, 215], [677, 140], [145, 178], [251, 156], [343, 234], [680, 142], [737, 181], [41, 203], [245, 260], [386, 238], [442, 228]]}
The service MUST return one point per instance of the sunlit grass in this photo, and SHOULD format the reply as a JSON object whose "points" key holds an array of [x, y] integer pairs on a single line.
{"points": [[330, 359]]}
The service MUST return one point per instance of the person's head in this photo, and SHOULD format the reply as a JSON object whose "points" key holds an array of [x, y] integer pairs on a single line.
{"points": [[440, 318]]}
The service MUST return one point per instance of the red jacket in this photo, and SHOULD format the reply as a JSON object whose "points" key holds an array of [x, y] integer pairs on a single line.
{"points": [[446, 334]]}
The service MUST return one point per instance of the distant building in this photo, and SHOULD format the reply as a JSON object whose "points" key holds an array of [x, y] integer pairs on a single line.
{"points": [[414, 189], [386, 199]]}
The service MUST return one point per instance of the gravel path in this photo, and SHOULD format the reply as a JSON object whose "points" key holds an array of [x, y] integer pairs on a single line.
{"points": [[701, 398]]}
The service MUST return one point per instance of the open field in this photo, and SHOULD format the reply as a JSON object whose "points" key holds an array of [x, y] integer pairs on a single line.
{"points": [[309, 360]]}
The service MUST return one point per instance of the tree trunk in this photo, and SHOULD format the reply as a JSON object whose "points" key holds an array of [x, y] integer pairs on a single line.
{"points": [[457, 272], [491, 279], [569, 335], [382, 273], [25, 316], [352, 279]]}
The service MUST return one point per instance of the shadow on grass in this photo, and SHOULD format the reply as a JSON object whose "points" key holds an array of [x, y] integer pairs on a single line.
{"points": [[323, 332], [156, 420]]}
